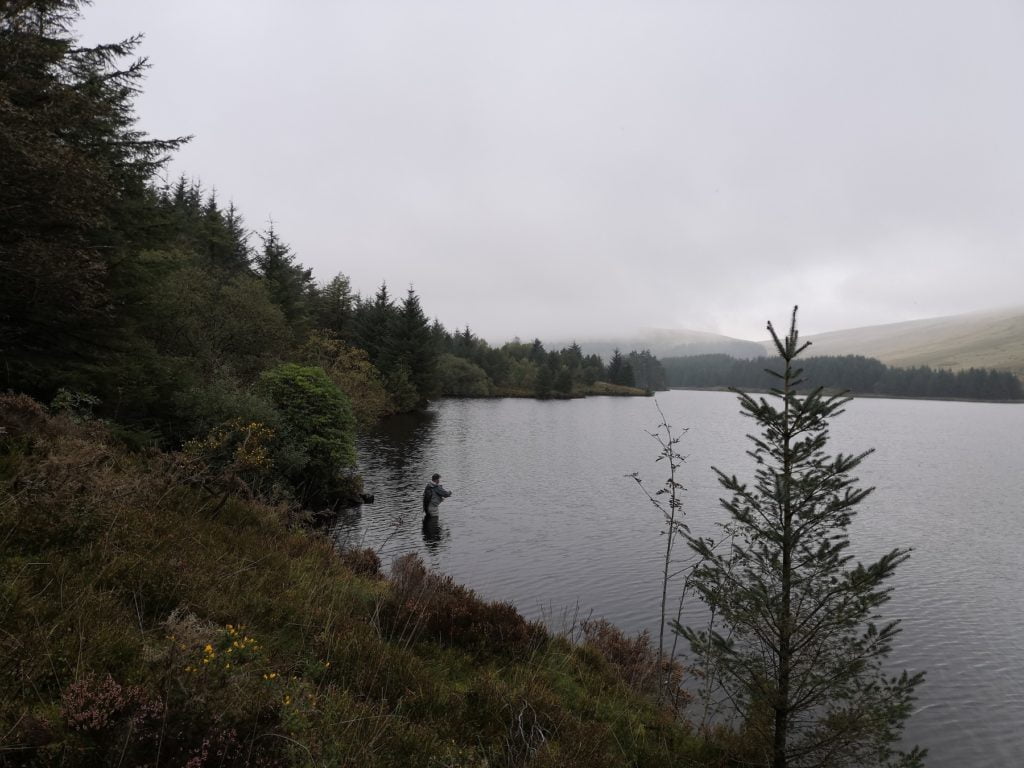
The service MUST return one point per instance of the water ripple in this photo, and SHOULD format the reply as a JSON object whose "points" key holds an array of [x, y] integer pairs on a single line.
{"points": [[543, 516]]}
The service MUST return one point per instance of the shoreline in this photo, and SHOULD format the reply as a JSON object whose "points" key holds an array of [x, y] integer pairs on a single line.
{"points": [[605, 390], [871, 395]]}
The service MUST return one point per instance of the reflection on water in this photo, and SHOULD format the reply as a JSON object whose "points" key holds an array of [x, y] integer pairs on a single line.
{"points": [[543, 516], [433, 533]]}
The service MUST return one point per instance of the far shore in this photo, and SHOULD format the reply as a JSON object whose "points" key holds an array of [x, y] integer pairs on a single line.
{"points": [[873, 395], [600, 389]]}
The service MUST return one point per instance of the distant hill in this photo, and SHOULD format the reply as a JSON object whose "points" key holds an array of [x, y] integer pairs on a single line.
{"points": [[992, 339], [666, 342]]}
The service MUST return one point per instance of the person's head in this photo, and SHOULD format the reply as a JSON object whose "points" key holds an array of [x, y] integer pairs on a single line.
{"points": [[436, 478]]}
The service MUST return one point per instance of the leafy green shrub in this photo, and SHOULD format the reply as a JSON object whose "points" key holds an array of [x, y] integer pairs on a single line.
{"points": [[350, 368], [458, 377], [219, 397], [401, 389], [77, 405], [317, 437]]}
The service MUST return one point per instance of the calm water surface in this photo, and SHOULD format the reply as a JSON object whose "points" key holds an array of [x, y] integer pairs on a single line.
{"points": [[543, 515]]}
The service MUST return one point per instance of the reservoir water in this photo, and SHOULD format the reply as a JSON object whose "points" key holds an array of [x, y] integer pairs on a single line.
{"points": [[543, 515]]}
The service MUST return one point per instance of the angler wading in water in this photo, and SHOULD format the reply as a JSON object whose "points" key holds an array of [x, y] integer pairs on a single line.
{"points": [[433, 495]]}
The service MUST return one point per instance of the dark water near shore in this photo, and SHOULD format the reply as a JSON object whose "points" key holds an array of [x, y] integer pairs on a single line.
{"points": [[542, 515]]}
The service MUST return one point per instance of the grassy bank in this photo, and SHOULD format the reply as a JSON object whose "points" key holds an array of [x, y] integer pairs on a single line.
{"points": [[147, 623]]}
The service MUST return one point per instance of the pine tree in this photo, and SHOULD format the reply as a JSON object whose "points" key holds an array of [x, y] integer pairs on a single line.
{"points": [[593, 369], [615, 367], [627, 378], [74, 171], [374, 324], [545, 381], [537, 353], [648, 372], [803, 655], [335, 307], [240, 254], [413, 346], [291, 284]]}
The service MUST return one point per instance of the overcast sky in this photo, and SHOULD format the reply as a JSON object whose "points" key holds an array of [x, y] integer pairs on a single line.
{"points": [[563, 168]]}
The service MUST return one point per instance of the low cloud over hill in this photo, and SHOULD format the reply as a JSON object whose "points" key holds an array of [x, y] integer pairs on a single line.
{"points": [[666, 342]]}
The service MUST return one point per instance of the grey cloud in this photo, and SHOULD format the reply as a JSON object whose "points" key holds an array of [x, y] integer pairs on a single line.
{"points": [[573, 168]]}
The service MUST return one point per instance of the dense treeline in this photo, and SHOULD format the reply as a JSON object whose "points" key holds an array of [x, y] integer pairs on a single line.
{"points": [[470, 367], [860, 375], [156, 307]]}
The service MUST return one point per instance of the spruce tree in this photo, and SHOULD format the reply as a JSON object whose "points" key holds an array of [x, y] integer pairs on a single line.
{"points": [[803, 649], [240, 254], [374, 324], [335, 307], [74, 171], [290, 284], [413, 346], [615, 367]]}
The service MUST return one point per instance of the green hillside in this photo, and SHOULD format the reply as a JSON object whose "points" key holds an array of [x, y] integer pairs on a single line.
{"points": [[977, 340]]}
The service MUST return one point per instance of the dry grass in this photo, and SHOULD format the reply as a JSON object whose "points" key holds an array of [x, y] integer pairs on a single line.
{"points": [[982, 340]]}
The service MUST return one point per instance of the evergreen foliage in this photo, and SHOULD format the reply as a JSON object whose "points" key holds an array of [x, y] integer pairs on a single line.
{"points": [[290, 284], [620, 370], [528, 369], [73, 175], [858, 374], [648, 372], [801, 651], [374, 324], [412, 347], [335, 307]]}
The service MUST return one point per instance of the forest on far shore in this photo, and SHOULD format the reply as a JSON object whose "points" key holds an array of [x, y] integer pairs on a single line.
{"points": [[854, 373]]}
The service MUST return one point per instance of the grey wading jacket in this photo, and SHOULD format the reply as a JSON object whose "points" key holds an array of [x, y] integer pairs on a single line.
{"points": [[433, 495]]}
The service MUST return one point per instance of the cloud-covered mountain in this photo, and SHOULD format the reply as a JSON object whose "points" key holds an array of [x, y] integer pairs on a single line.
{"points": [[991, 339], [666, 342]]}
